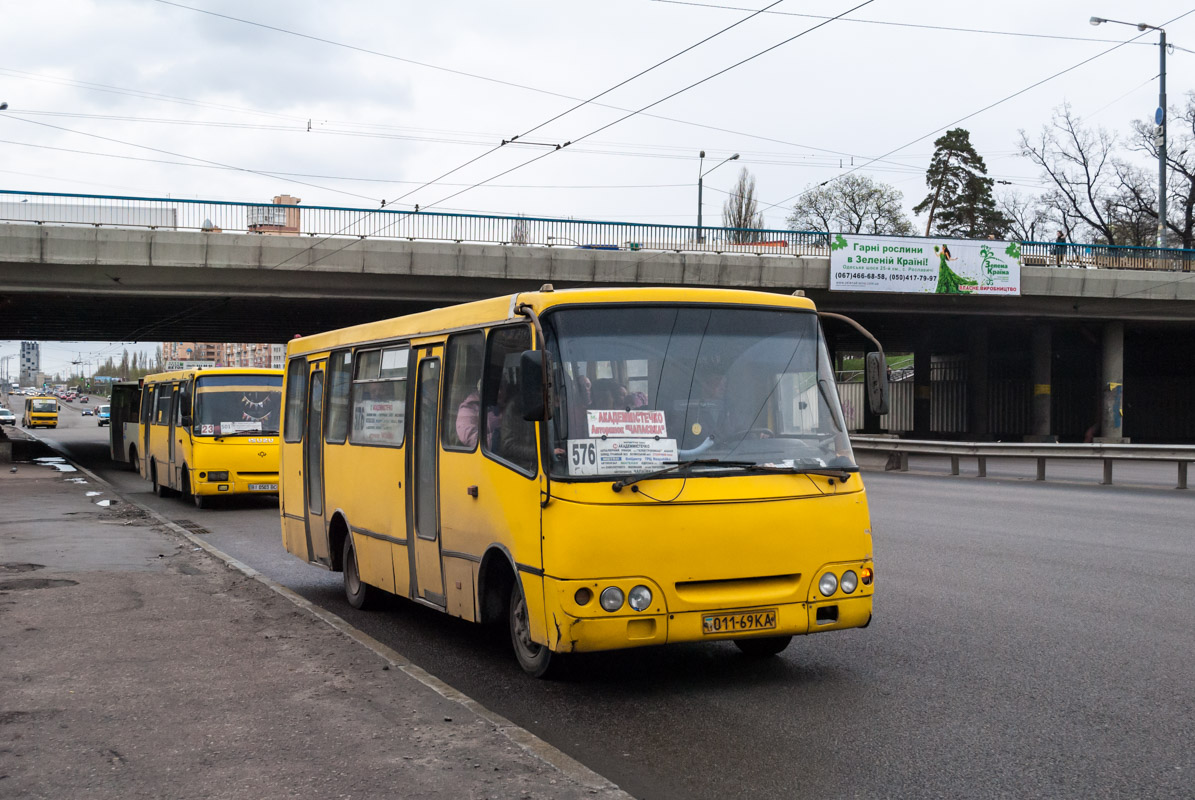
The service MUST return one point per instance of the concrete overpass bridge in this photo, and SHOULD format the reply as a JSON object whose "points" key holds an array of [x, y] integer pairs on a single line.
{"points": [[76, 267]]}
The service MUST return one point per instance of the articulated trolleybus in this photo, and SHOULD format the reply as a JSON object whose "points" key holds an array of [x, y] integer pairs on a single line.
{"points": [[595, 468], [207, 433]]}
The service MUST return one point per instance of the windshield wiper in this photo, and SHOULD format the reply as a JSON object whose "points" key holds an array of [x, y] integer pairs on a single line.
{"points": [[619, 485], [246, 433]]}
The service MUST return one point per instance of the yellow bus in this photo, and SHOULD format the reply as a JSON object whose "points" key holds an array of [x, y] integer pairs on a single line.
{"points": [[676, 468], [40, 412], [205, 433]]}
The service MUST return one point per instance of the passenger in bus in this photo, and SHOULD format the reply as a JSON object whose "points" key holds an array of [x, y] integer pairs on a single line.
{"points": [[608, 393], [468, 419], [516, 436]]}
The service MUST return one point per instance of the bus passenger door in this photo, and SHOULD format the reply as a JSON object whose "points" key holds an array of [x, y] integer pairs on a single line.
{"points": [[313, 468], [174, 478], [425, 550]]}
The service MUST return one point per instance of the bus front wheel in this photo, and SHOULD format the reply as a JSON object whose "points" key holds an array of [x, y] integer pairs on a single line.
{"points": [[537, 660], [764, 647], [359, 594]]}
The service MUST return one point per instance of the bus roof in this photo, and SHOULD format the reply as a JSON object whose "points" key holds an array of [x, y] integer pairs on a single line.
{"points": [[184, 374], [500, 309]]}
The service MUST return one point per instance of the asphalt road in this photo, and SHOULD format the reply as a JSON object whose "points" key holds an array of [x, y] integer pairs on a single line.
{"points": [[1030, 640]]}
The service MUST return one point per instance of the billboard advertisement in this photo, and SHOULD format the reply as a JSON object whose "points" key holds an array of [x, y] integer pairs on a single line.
{"points": [[861, 263]]}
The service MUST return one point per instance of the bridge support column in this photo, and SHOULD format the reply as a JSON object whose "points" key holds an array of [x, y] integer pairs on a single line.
{"points": [[1112, 385], [922, 394], [978, 385], [1043, 356]]}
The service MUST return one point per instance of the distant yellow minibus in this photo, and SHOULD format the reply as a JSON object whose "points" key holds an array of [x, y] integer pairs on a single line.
{"points": [[40, 412], [595, 468], [205, 433]]}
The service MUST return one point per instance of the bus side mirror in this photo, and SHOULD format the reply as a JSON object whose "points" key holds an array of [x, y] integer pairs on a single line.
{"points": [[876, 371], [186, 420], [531, 381]]}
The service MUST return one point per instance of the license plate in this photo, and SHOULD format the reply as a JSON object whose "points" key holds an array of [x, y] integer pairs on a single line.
{"points": [[760, 619], [263, 487]]}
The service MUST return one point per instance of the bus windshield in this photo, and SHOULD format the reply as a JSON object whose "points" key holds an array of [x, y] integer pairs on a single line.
{"points": [[43, 406], [228, 405], [643, 387]]}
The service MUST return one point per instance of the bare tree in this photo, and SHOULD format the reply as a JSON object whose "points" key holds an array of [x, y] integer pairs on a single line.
{"points": [[851, 204], [1028, 219], [1180, 168], [741, 210], [1078, 161]]}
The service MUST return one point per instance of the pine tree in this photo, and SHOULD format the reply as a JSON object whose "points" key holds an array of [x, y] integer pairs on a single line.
{"points": [[960, 201]]}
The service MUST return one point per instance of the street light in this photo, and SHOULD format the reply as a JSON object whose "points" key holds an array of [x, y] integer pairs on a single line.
{"points": [[700, 176], [563, 239], [1159, 120]]}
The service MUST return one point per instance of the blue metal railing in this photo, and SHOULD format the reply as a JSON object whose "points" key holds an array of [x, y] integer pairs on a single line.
{"points": [[273, 219]]}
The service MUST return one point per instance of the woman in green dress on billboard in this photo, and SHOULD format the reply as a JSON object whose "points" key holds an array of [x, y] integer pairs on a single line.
{"points": [[949, 281]]}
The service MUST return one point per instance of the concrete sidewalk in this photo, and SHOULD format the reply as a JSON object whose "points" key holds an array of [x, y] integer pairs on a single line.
{"points": [[134, 664]]}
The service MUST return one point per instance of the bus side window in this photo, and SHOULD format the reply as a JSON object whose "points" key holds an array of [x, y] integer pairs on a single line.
{"points": [[460, 420], [147, 403], [505, 434], [162, 398], [296, 400], [184, 403], [340, 379]]}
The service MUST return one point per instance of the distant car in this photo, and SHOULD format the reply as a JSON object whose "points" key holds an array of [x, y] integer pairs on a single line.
{"points": [[84, 399], [7, 417], [103, 413], [70, 399], [87, 412]]}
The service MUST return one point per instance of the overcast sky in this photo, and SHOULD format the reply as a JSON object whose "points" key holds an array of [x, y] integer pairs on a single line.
{"points": [[885, 80]]}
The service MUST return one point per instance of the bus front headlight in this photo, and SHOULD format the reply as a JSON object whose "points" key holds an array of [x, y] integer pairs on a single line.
{"points": [[639, 598], [850, 581], [827, 584], [218, 476], [611, 598]]}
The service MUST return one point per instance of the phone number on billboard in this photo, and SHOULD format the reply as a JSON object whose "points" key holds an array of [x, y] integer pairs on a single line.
{"points": [[882, 276]]}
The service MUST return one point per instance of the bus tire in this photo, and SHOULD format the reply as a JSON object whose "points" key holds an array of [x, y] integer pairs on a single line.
{"points": [[159, 489], [537, 660], [202, 500], [764, 646], [359, 593]]}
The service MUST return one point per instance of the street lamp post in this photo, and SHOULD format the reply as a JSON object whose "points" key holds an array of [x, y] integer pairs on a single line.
{"points": [[700, 176], [1159, 120]]}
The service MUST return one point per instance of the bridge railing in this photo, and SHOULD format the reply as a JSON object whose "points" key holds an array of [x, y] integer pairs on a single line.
{"points": [[271, 219], [899, 450], [282, 219]]}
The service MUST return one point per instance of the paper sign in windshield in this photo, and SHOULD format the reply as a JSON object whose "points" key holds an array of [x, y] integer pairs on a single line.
{"points": [[619, 456], [227, 428], [627, 423]]}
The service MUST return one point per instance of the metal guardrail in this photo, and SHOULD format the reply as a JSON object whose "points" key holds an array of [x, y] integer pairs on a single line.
{"points": [[1099, 256], [298, 220], [270, 219], [899, 451]]}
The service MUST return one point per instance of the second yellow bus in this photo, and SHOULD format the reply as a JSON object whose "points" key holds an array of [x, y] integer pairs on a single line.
{"points": [[206, 433]]}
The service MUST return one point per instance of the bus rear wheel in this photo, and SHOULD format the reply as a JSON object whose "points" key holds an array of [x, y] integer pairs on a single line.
{"points": [[159, 489], [359, 594], [763, 647], [537, 660]]}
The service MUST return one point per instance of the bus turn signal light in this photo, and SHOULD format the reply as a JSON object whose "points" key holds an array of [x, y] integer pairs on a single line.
{"points": [[865, 576]]}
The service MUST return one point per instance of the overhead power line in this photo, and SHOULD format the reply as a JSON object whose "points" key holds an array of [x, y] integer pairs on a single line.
{"points": [[894, 24], [630, 114], [581, 103], [498, 81], [988, 107], [17, 117]]}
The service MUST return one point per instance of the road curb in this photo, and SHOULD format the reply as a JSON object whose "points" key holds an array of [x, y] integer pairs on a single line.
{"points": [[523, 738]]}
